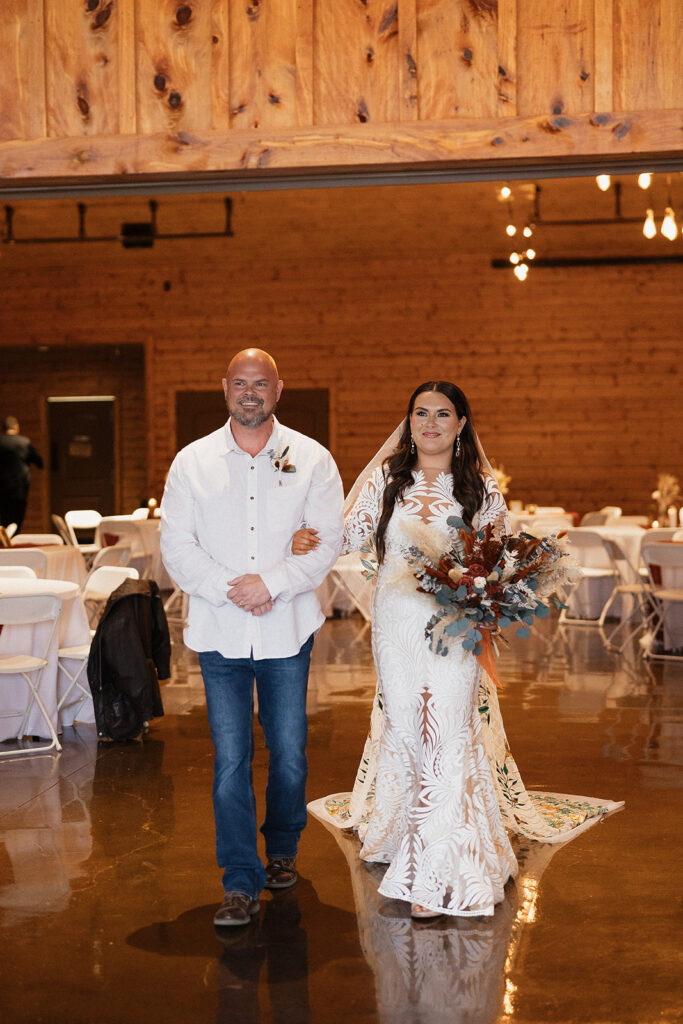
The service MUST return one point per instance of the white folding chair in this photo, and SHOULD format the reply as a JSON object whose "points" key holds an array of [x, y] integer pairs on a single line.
{"points": [[101, 583], [636, 592], [659, 560], [140, 513], [83, 519], [67, 535], [18, 571], [36, 538], [583, 541], [79, 653], [130, 535], [11, 530], [32, 557], [20, 610], [594, 519], [115, 554]]}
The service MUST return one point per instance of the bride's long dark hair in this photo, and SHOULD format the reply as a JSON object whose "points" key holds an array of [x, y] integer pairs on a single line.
{"points": [[468, 482]]}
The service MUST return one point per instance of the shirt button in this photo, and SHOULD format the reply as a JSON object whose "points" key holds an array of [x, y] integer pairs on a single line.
{"points": [[251, 528], [252, 467], [252, 558], [251, 497]]}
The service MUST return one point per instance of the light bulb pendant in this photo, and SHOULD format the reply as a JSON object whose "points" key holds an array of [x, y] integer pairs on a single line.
{"points": [[669, 227], [649, 227]]}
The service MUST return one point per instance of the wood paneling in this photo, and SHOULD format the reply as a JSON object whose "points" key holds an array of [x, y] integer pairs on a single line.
{"points": [[175, 87], [89, 50], [357, 62], [507, 58], [555, 57], [603, 61], [572, 375], [458, 57], [174, 51], [22, 70], [563, 138], [263, 87], [648, 42]]}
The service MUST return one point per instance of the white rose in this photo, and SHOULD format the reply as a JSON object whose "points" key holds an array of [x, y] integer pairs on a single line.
{"points": [[480, 582]]}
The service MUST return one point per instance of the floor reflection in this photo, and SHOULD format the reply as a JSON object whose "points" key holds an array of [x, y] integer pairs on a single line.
{"points": [[448, 969], [107, 878]]}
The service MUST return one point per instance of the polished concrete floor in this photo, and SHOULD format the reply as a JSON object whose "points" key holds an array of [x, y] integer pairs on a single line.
{"points": [[107, 878]]}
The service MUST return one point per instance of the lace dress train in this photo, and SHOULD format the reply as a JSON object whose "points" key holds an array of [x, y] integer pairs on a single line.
{"points": [[436, 785]]}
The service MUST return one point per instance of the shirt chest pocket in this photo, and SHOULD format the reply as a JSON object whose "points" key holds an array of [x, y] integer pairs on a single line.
{"points": [[284, 508]]}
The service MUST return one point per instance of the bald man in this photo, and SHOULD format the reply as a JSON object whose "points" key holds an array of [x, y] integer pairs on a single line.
{"points": [[232, 503]]}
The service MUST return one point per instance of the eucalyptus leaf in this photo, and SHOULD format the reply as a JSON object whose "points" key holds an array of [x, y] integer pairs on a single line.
{"points": [[542, 611], [523, 632]]}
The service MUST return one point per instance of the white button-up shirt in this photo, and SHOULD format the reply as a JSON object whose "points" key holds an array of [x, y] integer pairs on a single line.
{"points": [[225, 513]]}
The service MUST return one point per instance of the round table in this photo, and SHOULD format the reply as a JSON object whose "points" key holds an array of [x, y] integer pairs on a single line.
{"points": [[72, 630]]}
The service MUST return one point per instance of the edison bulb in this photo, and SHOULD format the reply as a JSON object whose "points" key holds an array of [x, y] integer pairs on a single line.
{"points": [[521, 272], [649, 227], [514, 257], [530, 254], [669, 227], [505, 192], [527, 231], [644, 180], [603, 182], [511, 230]]}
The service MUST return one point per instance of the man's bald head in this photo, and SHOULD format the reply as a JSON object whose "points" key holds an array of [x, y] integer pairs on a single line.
{"points": [[252, 357], [252, 387]]}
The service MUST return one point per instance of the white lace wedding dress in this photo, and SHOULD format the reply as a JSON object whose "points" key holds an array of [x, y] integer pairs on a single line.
{"points": [[437, 784]]}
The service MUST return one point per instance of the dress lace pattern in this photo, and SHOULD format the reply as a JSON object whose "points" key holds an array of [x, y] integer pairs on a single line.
{"points": [[437, 785]]}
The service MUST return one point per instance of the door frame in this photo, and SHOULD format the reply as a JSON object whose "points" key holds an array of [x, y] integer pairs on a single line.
{"points": [[56, 399]]}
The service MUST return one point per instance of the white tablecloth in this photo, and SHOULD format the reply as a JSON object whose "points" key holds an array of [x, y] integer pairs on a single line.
{"points": [[72, 630], [589, 599], [63, 562], [145, 539]]}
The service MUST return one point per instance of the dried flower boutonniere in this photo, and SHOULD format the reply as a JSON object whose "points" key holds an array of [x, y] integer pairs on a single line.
{"points": [[281, 464]]}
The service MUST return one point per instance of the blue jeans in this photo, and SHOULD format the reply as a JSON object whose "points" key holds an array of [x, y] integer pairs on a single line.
{"points": [[281, 684]]}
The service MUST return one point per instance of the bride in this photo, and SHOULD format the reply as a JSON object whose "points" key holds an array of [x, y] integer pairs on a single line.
{"points": [[437, 784]]}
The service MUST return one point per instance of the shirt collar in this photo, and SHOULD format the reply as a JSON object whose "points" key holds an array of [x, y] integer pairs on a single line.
{"points": [[231, 445]]}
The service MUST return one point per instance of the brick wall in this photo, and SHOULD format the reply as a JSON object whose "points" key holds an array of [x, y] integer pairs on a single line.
{"points": [[572, 375]]}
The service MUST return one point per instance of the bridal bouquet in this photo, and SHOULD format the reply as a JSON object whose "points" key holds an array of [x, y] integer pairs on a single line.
{"points": [[485, 581]]}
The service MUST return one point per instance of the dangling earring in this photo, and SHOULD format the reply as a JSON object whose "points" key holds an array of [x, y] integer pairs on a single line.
{"points": [[412, 446], [457, 447]]}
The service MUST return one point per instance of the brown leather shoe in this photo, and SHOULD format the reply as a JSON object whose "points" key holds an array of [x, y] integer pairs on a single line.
{"points": [[281, 873], [236, 908]]}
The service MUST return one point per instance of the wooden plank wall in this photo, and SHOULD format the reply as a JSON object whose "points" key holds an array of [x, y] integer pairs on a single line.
{"points": [[187, 76], [572, 375]]}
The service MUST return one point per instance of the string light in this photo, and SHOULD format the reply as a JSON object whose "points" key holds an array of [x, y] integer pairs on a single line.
{"points": [[511, 230], [669, 227], [603, 182], [527, 231], [649, 227], [505, 192], [644, 180], [521, 271], [530, 254], [515, 257]]}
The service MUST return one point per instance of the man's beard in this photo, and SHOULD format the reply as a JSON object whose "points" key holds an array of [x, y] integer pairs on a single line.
{"points": [[250, 417]]}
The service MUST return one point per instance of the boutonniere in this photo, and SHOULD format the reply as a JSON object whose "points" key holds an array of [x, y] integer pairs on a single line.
{"points": [[281, 464]]}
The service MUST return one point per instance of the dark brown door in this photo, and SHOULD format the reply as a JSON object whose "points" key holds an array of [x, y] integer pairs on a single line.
{"points": [[304, 409], [82, 460]]}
